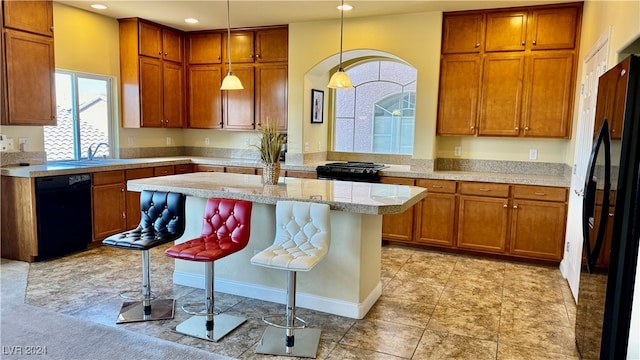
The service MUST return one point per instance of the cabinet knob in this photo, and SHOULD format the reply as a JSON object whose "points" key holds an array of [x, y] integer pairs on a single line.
{"points": [[257, 56], [121, 190], [526, 128], [472, 127], [159, 52], [516, 128], [219, 58], [51, 29], [515, 206], [504, 206], [251, 56], [522, 43], [533, 42], [477, 45]]}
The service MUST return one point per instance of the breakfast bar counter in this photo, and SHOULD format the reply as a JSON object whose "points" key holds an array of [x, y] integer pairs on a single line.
{"points": [[346, 282]]}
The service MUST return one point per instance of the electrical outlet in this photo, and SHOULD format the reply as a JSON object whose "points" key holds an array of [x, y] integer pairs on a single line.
{"points": [[247, 142], [130, 140], [457, 151], [9, 144], [207, 141], [533, 154], [306, 146], [168, 140]]}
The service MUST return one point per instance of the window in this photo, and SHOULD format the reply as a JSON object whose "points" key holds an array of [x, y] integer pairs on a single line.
{"points": [[84, 117], [378, 114]]}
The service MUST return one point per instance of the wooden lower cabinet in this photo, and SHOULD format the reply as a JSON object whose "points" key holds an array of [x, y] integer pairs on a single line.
{"points": [[109, 203], [302, 174], [483, 223], [435, 215], [133, 197], [207, 168], [398, 227], [184, 168], [164, 170], [537, 229], [240, 170]]}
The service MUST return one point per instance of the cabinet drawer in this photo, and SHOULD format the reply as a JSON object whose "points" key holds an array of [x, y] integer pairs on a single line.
{"points": [[240, 170], [397, 180], [183, 168], [438, 186], [210, 168], [484, 189], [301, 174], [108, 177], [546, 193], [139, 173], [164, 170]]}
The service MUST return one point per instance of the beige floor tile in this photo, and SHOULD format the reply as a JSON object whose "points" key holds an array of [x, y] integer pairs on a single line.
{"points": [[401, 311], [384, 337], [413, 291], [466, 322], [515, 352], [342, 352], [443, 345]]}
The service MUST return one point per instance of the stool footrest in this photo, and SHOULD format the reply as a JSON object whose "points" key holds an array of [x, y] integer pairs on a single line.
{"points": [[271, 323], [199, 309], [138, 297]]}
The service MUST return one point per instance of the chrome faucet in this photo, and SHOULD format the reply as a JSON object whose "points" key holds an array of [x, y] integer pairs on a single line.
{"points": [[91, 153]]}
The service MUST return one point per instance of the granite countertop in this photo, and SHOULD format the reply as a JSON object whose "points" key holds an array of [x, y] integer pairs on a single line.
{"points": [[356, 197], [86, 166]]}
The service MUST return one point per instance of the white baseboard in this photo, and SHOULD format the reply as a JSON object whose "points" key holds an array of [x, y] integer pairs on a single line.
{"points": [[304, 300]]}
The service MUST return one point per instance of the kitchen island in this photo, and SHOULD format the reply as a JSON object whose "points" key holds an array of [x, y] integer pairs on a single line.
{"points": [[346, 282]]}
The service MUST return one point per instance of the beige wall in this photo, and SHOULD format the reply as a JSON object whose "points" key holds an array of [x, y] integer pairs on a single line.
{"points": [[88, 42]]}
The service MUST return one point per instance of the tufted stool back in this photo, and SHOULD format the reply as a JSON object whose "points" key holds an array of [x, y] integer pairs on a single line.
{"points": [[303, 236]]}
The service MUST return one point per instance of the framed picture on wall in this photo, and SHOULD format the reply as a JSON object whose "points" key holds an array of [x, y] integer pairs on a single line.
{"points": [[317, 106]]}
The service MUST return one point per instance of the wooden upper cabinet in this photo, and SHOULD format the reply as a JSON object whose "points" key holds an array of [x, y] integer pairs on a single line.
{"points": [[242, 50], [506, 31], [553, 28], [30, 79], [159, 42], [31, 16], [204, 96], [239, 104], [204, 48], [462, 33], [272, 45], [458, 95], [151, 96], [271, 95], [173, 85], [501, 95], [549, 93]]}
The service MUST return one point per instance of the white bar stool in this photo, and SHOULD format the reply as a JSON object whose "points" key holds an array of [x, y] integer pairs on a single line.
{"points": [[303, 235]]}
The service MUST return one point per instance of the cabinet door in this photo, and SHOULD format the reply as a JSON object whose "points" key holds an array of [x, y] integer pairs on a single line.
{"points": [[164, 170], [271, 95], [537, 229], [30, 79], [548, 96], [501, 94], [109, 215], [398, 226], [458, 95], [241, 47], [173, 95], [272, 45], [204, 48], [553, 28], [150, 92], [462, 33], [506, 31], [612, 92], [240, 170], [205, 97], [208, 168], [436, 216], [150, 40], [172, 48], [238, 104], [32, 16], [483, 223], [133, 197]]}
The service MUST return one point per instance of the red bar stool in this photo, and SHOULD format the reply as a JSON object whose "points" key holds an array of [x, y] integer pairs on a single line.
{"points": [[225, 230], [303, 235]]}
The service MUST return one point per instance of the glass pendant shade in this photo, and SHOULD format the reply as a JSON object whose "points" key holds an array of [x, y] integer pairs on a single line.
{"points": [[231, 82], [339, 80]]}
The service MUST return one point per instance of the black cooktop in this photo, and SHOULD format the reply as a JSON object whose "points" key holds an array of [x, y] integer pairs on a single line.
{"points": [[350, 170]]}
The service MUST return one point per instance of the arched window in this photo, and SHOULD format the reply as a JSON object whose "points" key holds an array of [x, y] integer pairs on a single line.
{"points": [[378, 114]]}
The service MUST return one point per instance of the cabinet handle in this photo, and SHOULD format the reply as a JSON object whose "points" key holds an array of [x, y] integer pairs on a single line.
{"points": [[533, 42], [610, 214], [477, 45], [540, 193], [124, 215], [522, 43], [436, 186], [484, 190]]}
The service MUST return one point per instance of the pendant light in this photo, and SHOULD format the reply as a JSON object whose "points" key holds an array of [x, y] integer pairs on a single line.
{"points": [[340, 79], [230, 82]]}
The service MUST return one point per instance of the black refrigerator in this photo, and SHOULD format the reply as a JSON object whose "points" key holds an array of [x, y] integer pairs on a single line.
{"points": [[611, 220]]}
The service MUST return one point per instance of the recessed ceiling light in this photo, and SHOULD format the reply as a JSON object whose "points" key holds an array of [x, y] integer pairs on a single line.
{"points": [[191, 20], [99, 6], [345, 7]]}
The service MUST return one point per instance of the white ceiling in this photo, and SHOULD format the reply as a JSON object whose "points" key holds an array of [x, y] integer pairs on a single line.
{"points": [[247, 13]]}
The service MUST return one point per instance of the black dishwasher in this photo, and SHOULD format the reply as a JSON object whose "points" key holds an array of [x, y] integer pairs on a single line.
{"points": [[63, 210]]}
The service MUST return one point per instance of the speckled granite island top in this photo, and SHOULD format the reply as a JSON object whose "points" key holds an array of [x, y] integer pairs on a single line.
{"points": [[355, 197]]}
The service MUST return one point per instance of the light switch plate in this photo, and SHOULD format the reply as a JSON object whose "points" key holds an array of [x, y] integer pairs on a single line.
{"points": [[533, 154]]}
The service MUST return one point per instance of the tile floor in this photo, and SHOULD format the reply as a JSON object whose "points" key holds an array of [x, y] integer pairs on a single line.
{"points": [[434, 306]]}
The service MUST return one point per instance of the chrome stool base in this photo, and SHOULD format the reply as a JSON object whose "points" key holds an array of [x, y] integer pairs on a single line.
{"points": [[273, 342], [222, 325], [133, 311]]}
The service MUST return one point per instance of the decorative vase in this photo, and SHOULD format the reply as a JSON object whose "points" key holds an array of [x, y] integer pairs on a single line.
{"points": [[270, 173]]}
